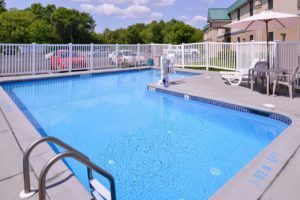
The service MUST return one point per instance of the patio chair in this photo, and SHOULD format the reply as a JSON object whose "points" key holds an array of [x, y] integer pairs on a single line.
{"points": [[254, 75], [236, 78], [287, 80]]}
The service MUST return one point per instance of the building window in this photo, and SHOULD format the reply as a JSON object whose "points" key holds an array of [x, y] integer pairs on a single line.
{"points": [[271, 36], [283, 36], [238, 14], [270, 4], [298, 4], [251, 38], [251, 7], [238, 39]]}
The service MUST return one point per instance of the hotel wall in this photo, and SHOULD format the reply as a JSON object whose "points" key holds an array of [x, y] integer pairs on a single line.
{"points": [[291, 33]]}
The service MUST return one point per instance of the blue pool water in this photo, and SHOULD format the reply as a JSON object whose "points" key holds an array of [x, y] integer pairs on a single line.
{"points": [[157, 146]]}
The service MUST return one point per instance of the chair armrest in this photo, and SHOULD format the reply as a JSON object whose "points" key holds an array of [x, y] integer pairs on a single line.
{"points": [[284, 76]]}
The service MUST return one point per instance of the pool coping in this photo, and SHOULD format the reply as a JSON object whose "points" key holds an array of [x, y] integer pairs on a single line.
{"points": [[252, 181], [25, 133]]}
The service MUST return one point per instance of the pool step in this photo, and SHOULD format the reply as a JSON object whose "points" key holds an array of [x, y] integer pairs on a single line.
{"points": [[100, 192]]}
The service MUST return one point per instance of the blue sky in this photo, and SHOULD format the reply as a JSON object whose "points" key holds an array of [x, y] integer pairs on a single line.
{"points": [[121, 13]]}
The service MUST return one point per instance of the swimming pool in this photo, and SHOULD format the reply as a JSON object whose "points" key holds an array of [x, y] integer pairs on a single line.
{"points": [[157, 146]]}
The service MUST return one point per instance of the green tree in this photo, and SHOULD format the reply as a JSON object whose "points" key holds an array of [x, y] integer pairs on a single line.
{"points": [[15, 26], [72, 25], [62, 25], [42, 13], [177, 32], [40, 31], [2, 6], [133, 34]]}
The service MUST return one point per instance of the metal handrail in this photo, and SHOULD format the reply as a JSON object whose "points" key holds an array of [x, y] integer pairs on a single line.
{"points": [[79, 157], [26, 175]]}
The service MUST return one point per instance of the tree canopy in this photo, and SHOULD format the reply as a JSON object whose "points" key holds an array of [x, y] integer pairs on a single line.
{"points": [[50, 24], [46, 25], [174, 32], [2, 6]]}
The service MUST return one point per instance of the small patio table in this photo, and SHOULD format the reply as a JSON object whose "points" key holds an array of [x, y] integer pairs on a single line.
{"points": [[269, 74]]}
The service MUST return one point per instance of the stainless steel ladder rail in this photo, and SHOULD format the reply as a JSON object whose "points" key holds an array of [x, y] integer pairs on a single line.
{"points": [[79, 157], [27, 192]]}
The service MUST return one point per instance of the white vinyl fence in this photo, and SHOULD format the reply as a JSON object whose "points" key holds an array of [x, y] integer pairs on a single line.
{"points": [[19, 59]]}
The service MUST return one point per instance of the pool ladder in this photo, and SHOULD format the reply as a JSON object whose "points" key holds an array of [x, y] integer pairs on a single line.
{"points": [[98, 191]]}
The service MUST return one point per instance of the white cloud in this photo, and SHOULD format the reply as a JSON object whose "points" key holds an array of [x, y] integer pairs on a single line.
{"points": [[156, 15], [130, 2], [197, 19], [87, 7], [183, 18], [194, 21], [108, 9], [133, 11], [81, 1], [165, 2], [140, 2], [115, 1], [103, 9]]}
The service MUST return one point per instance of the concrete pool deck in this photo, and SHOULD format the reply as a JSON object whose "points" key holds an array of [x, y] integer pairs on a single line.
{"points": [[279, 181], [17, 133], [274, 173]]}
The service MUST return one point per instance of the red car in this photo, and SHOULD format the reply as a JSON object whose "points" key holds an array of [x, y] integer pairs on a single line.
{"points": [[60, 60]]}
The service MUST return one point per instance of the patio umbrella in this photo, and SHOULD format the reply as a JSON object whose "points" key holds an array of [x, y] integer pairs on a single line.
{"points": [[268, 20]]}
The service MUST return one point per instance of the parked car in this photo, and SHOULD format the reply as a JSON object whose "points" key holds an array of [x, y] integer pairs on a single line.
{"points": [[29, 49], [99, 53], [125, 57], [49, 55], [60, 60], [190, 53]]}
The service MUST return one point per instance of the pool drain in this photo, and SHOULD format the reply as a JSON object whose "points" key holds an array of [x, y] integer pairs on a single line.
{"points": [[215, 171]]}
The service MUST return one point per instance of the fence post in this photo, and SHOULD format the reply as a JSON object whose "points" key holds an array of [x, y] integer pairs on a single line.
{"points": [[91, 56], [117, 52], [251, 52], [276, 55], [70, 57], [152, 50], [207, 56], [182, 55], [138, 53], [33, 57], [237, 55]]}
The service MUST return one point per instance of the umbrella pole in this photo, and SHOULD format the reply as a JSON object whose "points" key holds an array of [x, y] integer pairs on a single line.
{"points": [[268, 48]]}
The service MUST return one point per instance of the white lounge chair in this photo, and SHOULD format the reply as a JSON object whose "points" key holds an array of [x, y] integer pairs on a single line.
{"points": [[235, 78]]}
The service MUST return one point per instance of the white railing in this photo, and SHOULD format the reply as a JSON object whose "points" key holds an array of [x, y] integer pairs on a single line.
{"points": [[19, 59]]}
